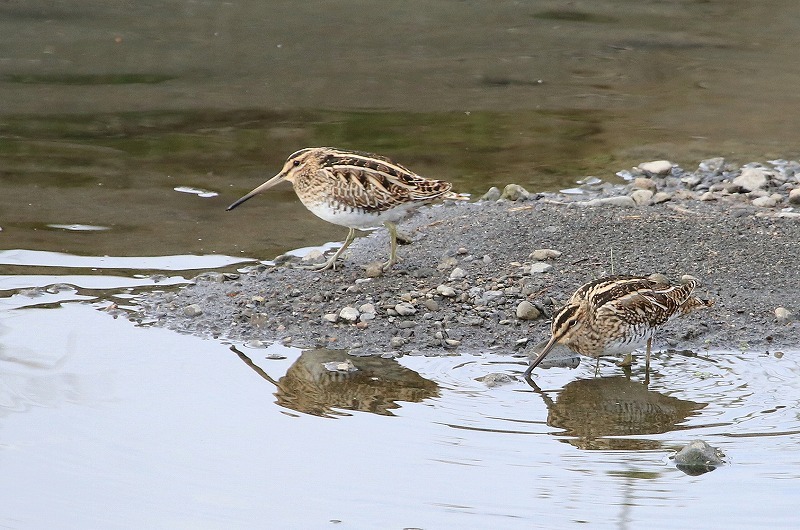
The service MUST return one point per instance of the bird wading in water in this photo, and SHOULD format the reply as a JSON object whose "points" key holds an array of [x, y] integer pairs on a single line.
{"points": [[354, 189], [617, 314]]}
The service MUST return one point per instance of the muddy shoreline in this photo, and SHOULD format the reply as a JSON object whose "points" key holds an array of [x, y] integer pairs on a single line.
{"points": [[461, 284]]}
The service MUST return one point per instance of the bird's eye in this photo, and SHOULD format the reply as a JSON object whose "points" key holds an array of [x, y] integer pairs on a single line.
{"points": [[296, 163], [572, 322]]}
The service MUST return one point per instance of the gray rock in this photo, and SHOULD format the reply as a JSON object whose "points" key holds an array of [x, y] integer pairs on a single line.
{"points": [[752, 178], [349, 314], [496, 379], [657, 167], [708, 196], [330, 317], [367, 308], [544, 254], [642, 197], [712, 165], [432, 305], [794, 196], [782, 315], [540, 267], [492, 195], [764, 202], [644, 183], [458, 273], [621, 200], [515, 192], [446, 290], [193, 310], [527, 311], [405, 309], [312, 256], [661, 196], [697, 457], [397, 342], [373, 269]]}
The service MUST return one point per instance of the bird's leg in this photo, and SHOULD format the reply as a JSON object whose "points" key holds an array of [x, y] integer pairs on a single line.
{"points": [[331, 263], [597, 367], [393, 246], [647, 356]]}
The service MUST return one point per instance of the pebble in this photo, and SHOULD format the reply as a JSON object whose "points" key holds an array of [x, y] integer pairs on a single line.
{"points": [[540, 267], [794, 196], [765, 202], [367, 308], [445, 290], [708, 196], [330, 317], [527, 311], [397, 342], [697, 457], [644, 183], [349, 314], [783, 315], [431, 305], [621, 200], [752, 178], [373, 269], [661, 196], [492, 195], [314, 255], [193, 310], [496, 379], [642, 197], [515, 192], [657, 167], [458, 273], [544, 254], [405, 309]]}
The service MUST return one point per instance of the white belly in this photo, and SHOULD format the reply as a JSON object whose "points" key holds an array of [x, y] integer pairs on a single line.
{"points": [[360, 219]]}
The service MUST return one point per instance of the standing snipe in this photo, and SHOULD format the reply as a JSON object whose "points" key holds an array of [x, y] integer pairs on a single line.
{"points": [[354, 189], [618, 314]]}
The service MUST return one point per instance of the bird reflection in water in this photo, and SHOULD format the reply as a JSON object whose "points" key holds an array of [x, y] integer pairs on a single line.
{"points": [[375, 385], [596, 412]]}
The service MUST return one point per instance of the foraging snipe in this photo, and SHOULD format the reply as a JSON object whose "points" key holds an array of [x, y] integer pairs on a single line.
{"points": [[617, 314], [354, 189]]}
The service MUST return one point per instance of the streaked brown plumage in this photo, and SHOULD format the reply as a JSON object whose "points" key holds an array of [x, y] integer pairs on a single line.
{"points": [[354, 189], [617, 314]]}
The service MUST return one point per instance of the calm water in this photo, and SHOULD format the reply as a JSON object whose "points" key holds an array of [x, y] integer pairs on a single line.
{"points": [[126, 129]]}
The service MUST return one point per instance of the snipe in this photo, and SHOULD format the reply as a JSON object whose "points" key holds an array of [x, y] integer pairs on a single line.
{"points": [[617, 314], [354, 189]]}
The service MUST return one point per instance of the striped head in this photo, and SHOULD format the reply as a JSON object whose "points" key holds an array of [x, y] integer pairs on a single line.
{"points": [[567, 323], [300, 162]]}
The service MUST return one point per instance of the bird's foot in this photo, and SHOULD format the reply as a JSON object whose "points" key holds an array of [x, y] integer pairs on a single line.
{"points": [[319, 267], [391, 263]]}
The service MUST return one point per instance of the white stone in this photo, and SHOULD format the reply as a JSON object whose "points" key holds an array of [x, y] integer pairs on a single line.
{"points": [[446, 290], [349, 314], [405, 309], [330, 317], [527, 311], [642, 197], [657, 167], [458, 273], [782, 314], [708, 196], [622, 200], [515, 192], [644, 183], [192, 310], [540, 267], [794, 196], [752, 178], [661, 196], [543, 254], [314, 255], [764, 202], [367, 308]]}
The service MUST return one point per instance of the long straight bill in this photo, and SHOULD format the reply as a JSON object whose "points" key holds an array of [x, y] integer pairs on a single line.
{"points": [[542, 355], [268, 184]]}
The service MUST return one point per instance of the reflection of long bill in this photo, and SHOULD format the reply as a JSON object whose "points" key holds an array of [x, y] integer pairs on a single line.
{"points": [[547, 347], [277, 179]]}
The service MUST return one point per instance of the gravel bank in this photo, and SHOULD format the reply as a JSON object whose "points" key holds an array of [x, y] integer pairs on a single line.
{"points": [[471, 281]]}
